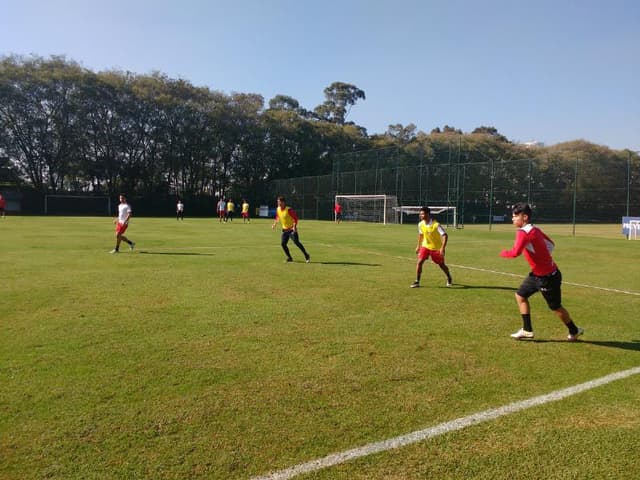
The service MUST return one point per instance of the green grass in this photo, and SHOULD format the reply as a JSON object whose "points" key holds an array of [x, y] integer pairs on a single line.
{"points": [[203, 355]]}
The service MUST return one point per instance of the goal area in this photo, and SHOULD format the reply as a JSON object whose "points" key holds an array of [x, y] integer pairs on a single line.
{"points": [[82, 205], [368, 208]]}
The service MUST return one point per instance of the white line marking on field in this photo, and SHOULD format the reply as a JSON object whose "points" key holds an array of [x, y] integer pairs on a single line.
{"points": [[615, 290], [496, 272], [457, 424]]}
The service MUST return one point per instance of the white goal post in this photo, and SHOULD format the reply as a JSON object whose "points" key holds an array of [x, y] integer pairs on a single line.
{"points": [[77, 205], [634, 228], [368, 208], [435, 210]]}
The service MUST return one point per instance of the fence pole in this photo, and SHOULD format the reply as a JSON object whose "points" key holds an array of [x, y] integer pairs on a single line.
{"points": [[628, 180], [491, 175], [575, 194]]}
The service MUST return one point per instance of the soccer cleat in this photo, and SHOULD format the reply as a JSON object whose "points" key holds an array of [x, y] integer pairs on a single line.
{"points": [[308, 259], [415, 284], [132, 245], [522, 333], [114, 251], [449, 282], [288, 260], [574, 338]]}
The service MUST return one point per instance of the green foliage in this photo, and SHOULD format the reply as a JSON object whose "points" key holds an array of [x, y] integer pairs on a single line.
{"points": [[65, 128], [340, 97], [69, 129]]}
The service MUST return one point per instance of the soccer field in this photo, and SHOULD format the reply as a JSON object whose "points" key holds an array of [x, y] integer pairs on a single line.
{"points": [[201, 354]]}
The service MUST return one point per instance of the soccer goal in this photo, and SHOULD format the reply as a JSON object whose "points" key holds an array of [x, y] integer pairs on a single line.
{"points": [[450, 212], [77, 205], [368, 208]]}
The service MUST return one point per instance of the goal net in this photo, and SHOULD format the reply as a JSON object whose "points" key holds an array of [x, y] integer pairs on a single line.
{"points": [[87, 205], [368, 208], [446, 215]]}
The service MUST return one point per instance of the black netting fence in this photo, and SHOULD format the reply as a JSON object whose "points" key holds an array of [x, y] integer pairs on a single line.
{"points": [[561, 191]]}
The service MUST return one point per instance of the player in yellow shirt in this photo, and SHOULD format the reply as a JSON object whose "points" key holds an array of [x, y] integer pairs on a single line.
{"points": [[432, 241], [245, 211], [289, 221], [230, 209]]}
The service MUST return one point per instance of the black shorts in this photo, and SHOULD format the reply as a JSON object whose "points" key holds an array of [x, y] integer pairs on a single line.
{"points": [[548, 286]]}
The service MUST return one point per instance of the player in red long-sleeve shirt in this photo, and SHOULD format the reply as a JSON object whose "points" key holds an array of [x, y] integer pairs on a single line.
{"points": [[544, 276]]}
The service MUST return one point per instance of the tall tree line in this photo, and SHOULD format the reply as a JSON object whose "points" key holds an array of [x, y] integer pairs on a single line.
{"points": [[66, 128]]}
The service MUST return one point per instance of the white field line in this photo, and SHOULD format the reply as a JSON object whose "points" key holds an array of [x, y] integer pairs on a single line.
{"points": [[496, 272], [457, 424], [615, 290]]}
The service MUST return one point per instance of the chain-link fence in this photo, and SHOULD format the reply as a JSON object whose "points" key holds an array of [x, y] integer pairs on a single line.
{"points": [[560, 191]]}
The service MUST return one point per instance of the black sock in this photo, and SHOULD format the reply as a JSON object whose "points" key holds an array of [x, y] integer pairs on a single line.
{"points": [[572, 328], [526, 322]]}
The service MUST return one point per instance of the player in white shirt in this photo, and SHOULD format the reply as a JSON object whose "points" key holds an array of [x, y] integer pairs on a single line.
{"points": [[122, 222], [180, 210]]}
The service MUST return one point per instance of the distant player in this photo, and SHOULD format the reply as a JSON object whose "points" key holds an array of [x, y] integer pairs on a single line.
{"points": [[245, 211], [3, 206], [337, 210], [544, 276], [122, 223], [230, 209], [432, 241], [180, 210], [221, 207], [289, 221]]}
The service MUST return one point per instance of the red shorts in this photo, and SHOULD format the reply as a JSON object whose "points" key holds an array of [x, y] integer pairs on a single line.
{"points": [[425, 253], [121, 228], [245, 214], [221, 213]]}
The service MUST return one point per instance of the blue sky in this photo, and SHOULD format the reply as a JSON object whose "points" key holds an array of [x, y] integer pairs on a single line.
{"points": [[549, 71]]}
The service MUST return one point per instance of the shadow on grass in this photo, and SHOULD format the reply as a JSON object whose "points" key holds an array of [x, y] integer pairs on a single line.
{"points": [[632, 345], [142, 252], [486, 287], [349, 263]]}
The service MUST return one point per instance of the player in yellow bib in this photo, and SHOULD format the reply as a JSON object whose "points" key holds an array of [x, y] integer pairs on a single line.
{"points": [[432, 241], [245, 211], [230, 209], [289, 221]]}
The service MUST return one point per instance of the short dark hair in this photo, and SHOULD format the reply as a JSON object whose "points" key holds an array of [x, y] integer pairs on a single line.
{"points": [[426, 210], [521, 207], [281, 198]]}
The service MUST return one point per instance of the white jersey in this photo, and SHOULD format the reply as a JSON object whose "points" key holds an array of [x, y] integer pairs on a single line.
{"points": [[123, 212], [180, 206]]}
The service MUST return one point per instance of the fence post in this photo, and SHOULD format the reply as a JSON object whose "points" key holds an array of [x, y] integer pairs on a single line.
{"points": [[491, 175], [575, 194]]}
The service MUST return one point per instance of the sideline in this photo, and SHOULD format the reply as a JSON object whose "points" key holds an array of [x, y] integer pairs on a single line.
{"points": [[458, 424]]}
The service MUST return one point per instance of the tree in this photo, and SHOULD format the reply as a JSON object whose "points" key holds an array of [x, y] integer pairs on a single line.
{"points": [[340, 97], [491, 131], [401, 133], [38, 117]]}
